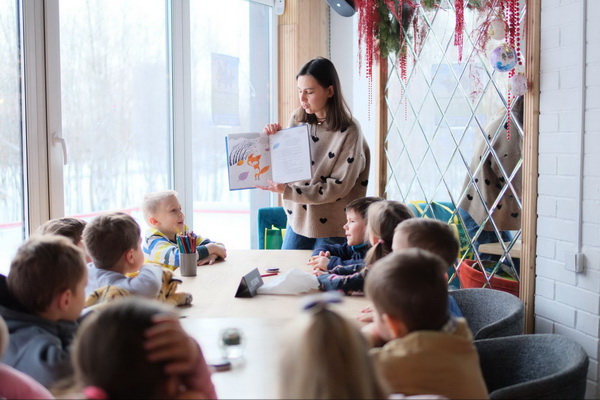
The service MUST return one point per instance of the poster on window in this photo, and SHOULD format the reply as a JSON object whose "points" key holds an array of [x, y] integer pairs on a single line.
{"points": [[225, 102]]}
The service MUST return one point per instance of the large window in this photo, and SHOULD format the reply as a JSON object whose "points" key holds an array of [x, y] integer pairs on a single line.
{"points": [[121, 90], [115, 97], [115, 92], [454, 140], [231, 83], [11, 134]]}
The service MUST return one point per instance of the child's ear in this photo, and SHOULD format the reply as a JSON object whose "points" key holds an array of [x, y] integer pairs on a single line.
{"points": [[129, 257], [64, 299], [394, 326], [153, 221]]}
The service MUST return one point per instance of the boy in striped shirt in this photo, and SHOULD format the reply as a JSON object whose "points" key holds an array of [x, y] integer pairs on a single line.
{"points": [[163, 215]]}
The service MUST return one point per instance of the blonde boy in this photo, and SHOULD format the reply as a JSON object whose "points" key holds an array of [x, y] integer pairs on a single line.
{"points": [[163, 214], [41, 300], [113, 241], [427, 351]]}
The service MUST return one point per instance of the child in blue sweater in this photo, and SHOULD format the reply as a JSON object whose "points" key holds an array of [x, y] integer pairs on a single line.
{"points": [[327, 257], [382, 218]]}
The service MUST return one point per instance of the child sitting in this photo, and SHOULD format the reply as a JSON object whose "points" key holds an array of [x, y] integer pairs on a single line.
{"points": [[434, 236], [15, 384], [114, 243], [162, 212], [352, 252], [136, 348], [41, 300], [382, 219], [68, 227], [427, 351], [427, 234], [325, 357]]}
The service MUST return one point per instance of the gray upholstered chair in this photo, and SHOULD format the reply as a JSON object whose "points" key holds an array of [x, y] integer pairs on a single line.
{"points": [[490, 313], [542, 366]]}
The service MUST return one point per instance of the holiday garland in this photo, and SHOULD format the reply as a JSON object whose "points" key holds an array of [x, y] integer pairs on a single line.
{"points": [[381, 36], [384, 30]]}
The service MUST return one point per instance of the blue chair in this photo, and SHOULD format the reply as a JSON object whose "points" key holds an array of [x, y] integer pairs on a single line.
{"points": [[267, 218], [540, 366]]}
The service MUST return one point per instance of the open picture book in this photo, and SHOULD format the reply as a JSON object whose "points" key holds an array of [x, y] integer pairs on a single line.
{"points": [[255, 158]]}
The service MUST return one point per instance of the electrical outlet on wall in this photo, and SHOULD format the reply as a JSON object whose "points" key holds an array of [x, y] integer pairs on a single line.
{"points": [[574, 261], [279, 7]]}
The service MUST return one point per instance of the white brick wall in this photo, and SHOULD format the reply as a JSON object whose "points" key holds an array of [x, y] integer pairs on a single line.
{"points": [[569, 303]]}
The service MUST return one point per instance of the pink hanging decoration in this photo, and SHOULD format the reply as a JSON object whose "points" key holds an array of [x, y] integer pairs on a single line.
{"points": [[368, 19], [459, 7], [396, 8]]}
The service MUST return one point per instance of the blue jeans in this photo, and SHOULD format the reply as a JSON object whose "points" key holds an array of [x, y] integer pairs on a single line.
{"points": [[294, 241], [485, 237]]}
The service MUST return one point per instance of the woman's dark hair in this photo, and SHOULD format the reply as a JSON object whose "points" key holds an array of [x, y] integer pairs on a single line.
{"points": [[338, 114]]}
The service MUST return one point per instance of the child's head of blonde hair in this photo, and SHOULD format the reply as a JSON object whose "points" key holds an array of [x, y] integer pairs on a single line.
{"points": [[408, 287], [382, 219], [326, 357], [152, 202], [162, 211], [428, 234], [124, 371], [108, 236]]}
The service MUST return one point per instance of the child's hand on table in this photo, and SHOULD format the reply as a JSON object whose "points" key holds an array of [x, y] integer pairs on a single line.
{"points": [[210, 259], [365, 317], [372, 335], [318, 272], [321, 261], [216, 249]]}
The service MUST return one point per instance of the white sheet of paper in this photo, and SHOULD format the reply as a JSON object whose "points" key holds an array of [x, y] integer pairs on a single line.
{"points": [[290, 155]]}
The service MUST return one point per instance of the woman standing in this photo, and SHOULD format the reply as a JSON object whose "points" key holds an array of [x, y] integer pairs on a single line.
{"points": [[340, 161]]}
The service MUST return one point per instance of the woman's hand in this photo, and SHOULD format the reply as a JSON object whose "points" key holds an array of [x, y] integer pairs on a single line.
{"points": [[273, 187], [272, 128]]}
